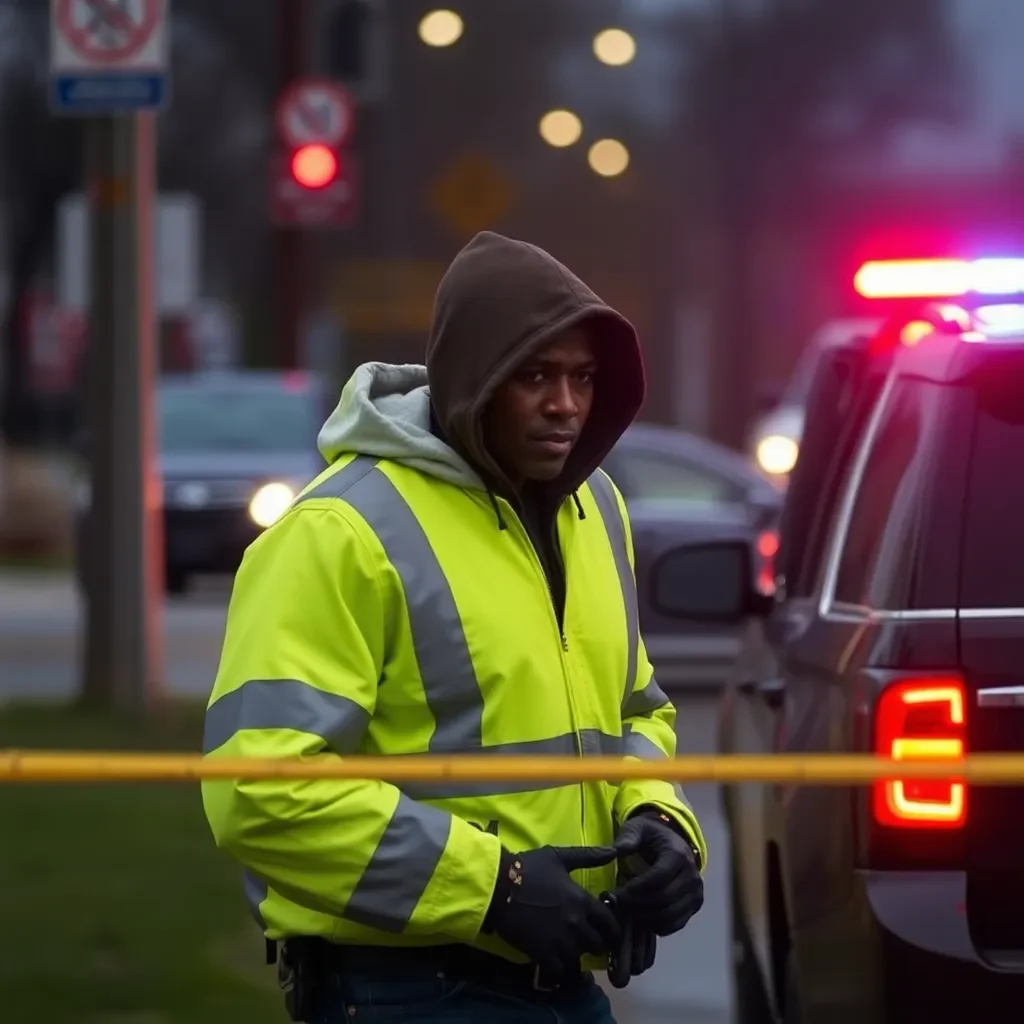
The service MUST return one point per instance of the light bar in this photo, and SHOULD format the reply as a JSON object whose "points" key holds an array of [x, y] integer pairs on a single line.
{"points": [[933, 279]]}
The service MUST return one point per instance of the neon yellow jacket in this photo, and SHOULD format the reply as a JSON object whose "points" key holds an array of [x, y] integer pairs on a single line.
{"points": [[387, 613]]}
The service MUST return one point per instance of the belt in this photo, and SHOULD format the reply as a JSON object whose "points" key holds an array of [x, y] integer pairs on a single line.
{"points": [[458, 961]]}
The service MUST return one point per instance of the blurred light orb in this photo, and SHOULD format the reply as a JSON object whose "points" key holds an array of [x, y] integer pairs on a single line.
{"points": [[614, 46], [560, 128], [608, 157], [440, 28]]}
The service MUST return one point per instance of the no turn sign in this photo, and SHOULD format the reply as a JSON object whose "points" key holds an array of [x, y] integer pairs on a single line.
{"points": [[315, 110]]}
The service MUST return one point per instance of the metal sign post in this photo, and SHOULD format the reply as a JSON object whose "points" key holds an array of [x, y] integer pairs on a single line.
{"points": [[108, 60]]}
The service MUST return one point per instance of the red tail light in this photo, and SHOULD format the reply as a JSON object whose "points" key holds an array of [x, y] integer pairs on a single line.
{"points": [[767, 549], [921, 719]]}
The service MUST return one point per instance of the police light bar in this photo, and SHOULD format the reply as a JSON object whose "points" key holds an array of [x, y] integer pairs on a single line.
{"points": [[939, 278]]}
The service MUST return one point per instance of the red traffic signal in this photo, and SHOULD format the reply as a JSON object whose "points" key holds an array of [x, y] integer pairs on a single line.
{"points": [[314, 166]]}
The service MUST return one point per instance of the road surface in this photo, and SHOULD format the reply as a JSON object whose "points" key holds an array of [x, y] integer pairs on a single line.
{"points": [[39, 625]]}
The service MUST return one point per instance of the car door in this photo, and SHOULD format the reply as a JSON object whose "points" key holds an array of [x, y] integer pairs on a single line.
{"points": [[759, 695], [673, 500]]}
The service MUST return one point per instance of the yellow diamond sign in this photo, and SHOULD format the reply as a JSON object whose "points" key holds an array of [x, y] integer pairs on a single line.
{"points": [[472, 195]]}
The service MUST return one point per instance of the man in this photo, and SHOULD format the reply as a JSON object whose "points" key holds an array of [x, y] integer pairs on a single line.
{"points": [[458, 580]]}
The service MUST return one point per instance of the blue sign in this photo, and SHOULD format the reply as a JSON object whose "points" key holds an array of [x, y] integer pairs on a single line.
{"points": [[108, 93], [109, 56]]}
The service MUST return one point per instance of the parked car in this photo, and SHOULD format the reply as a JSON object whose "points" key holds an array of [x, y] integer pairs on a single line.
{"points": [[896, 628], [679, 488], [235, 448]]}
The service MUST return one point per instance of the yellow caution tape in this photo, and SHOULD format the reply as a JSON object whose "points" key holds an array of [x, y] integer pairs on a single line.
{"points": [[806, 769]]}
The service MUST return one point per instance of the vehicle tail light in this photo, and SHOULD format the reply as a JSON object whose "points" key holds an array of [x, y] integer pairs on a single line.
{"points": [[767, 549], [921, 720]]}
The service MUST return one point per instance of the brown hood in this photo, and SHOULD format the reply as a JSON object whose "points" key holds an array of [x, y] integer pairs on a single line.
{"points": [[500, 301]]}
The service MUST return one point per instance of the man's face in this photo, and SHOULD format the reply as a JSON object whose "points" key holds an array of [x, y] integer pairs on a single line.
{"points": [[536, 416]]}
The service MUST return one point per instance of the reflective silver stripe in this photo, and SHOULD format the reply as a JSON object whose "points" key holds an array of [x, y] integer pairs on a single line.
{"points": [[286, 704], [607, 503], [646, 701], [446, 668], [256, 890], [592, 743], [635, 744], [1001, 697], [397, 876]]}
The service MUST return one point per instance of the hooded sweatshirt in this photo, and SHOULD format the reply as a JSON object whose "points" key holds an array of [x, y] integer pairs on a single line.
{"points": [[499, 302]]}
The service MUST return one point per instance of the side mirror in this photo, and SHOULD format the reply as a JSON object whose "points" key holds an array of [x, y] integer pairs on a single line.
{"points": [[705, 582]]}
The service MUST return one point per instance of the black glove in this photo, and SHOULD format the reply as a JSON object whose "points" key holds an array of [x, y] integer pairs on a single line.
{"points": [[542, 912], [661, 884], [636, 950]]}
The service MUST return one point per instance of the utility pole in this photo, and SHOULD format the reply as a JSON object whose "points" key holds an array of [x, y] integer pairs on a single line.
{"points": [[290, 242], [124, 549], [734, 355]]}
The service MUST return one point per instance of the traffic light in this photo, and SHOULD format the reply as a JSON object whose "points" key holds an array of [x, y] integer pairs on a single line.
{"points": [[348, 41], [314, 166], [354, 47]]}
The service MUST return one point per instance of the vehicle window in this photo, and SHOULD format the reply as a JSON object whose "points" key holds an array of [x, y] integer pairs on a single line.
{"points": [[798, 389], [647, 476], [992, 558], [839, 408], [236, 420], [882, 553]]}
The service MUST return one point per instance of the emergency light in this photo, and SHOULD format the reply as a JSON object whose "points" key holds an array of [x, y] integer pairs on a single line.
{"points": [[939, 278]]}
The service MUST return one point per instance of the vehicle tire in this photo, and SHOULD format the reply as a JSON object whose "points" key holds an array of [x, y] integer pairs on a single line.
{"points": [[175, 580], [792, 1009], [750, 1001]]}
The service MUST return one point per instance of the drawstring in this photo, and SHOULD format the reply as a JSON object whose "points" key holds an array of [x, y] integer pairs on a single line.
{"points": [[497, 509], [580, 514]]}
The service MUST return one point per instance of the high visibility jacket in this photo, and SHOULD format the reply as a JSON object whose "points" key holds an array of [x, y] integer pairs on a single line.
{"points": [[386, 613]]}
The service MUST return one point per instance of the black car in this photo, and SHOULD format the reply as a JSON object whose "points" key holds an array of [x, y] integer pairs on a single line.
{"points": [[897, 628], [681, 488], [235, 449]]}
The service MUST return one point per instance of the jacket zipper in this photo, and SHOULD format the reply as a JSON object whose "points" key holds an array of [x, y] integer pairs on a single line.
{"points": [[560, 630]]}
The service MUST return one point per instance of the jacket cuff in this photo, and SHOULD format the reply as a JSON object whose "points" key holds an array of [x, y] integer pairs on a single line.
{"points": [[657, 814]]}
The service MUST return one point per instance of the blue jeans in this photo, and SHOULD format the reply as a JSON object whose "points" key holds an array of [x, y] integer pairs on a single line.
{"points": [[413, 996]]}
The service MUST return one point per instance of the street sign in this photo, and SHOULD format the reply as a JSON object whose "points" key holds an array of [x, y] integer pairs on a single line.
{"points": [[295, 205], [315, 110], [177, 251], [385, 296], [472, 195], [108, 56]]}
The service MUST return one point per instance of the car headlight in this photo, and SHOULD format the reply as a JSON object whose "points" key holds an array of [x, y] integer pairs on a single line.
{"points": [[270, 502], [776, 454]]}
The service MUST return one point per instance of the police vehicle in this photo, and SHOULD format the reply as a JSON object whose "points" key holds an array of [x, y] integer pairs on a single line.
{"points": [[897, 628]]}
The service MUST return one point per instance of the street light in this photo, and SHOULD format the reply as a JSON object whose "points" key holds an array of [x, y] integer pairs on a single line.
{"points": [[614, 46], [608, 157], [440, 28], [560, 128]]}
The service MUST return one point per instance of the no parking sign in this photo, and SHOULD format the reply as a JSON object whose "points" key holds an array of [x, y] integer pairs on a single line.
{"points": [[108, 56]]}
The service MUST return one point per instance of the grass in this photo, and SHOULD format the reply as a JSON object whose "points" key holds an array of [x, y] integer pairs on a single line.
{"points": [[115, 906]]}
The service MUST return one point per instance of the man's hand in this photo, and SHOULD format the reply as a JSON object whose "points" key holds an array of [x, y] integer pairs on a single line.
{"points": [[662, 886], [542, 912]]}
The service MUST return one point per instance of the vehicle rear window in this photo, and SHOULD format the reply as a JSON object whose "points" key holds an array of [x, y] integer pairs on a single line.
{"points": [[992, 565], [235, 420], [657, 477]]}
